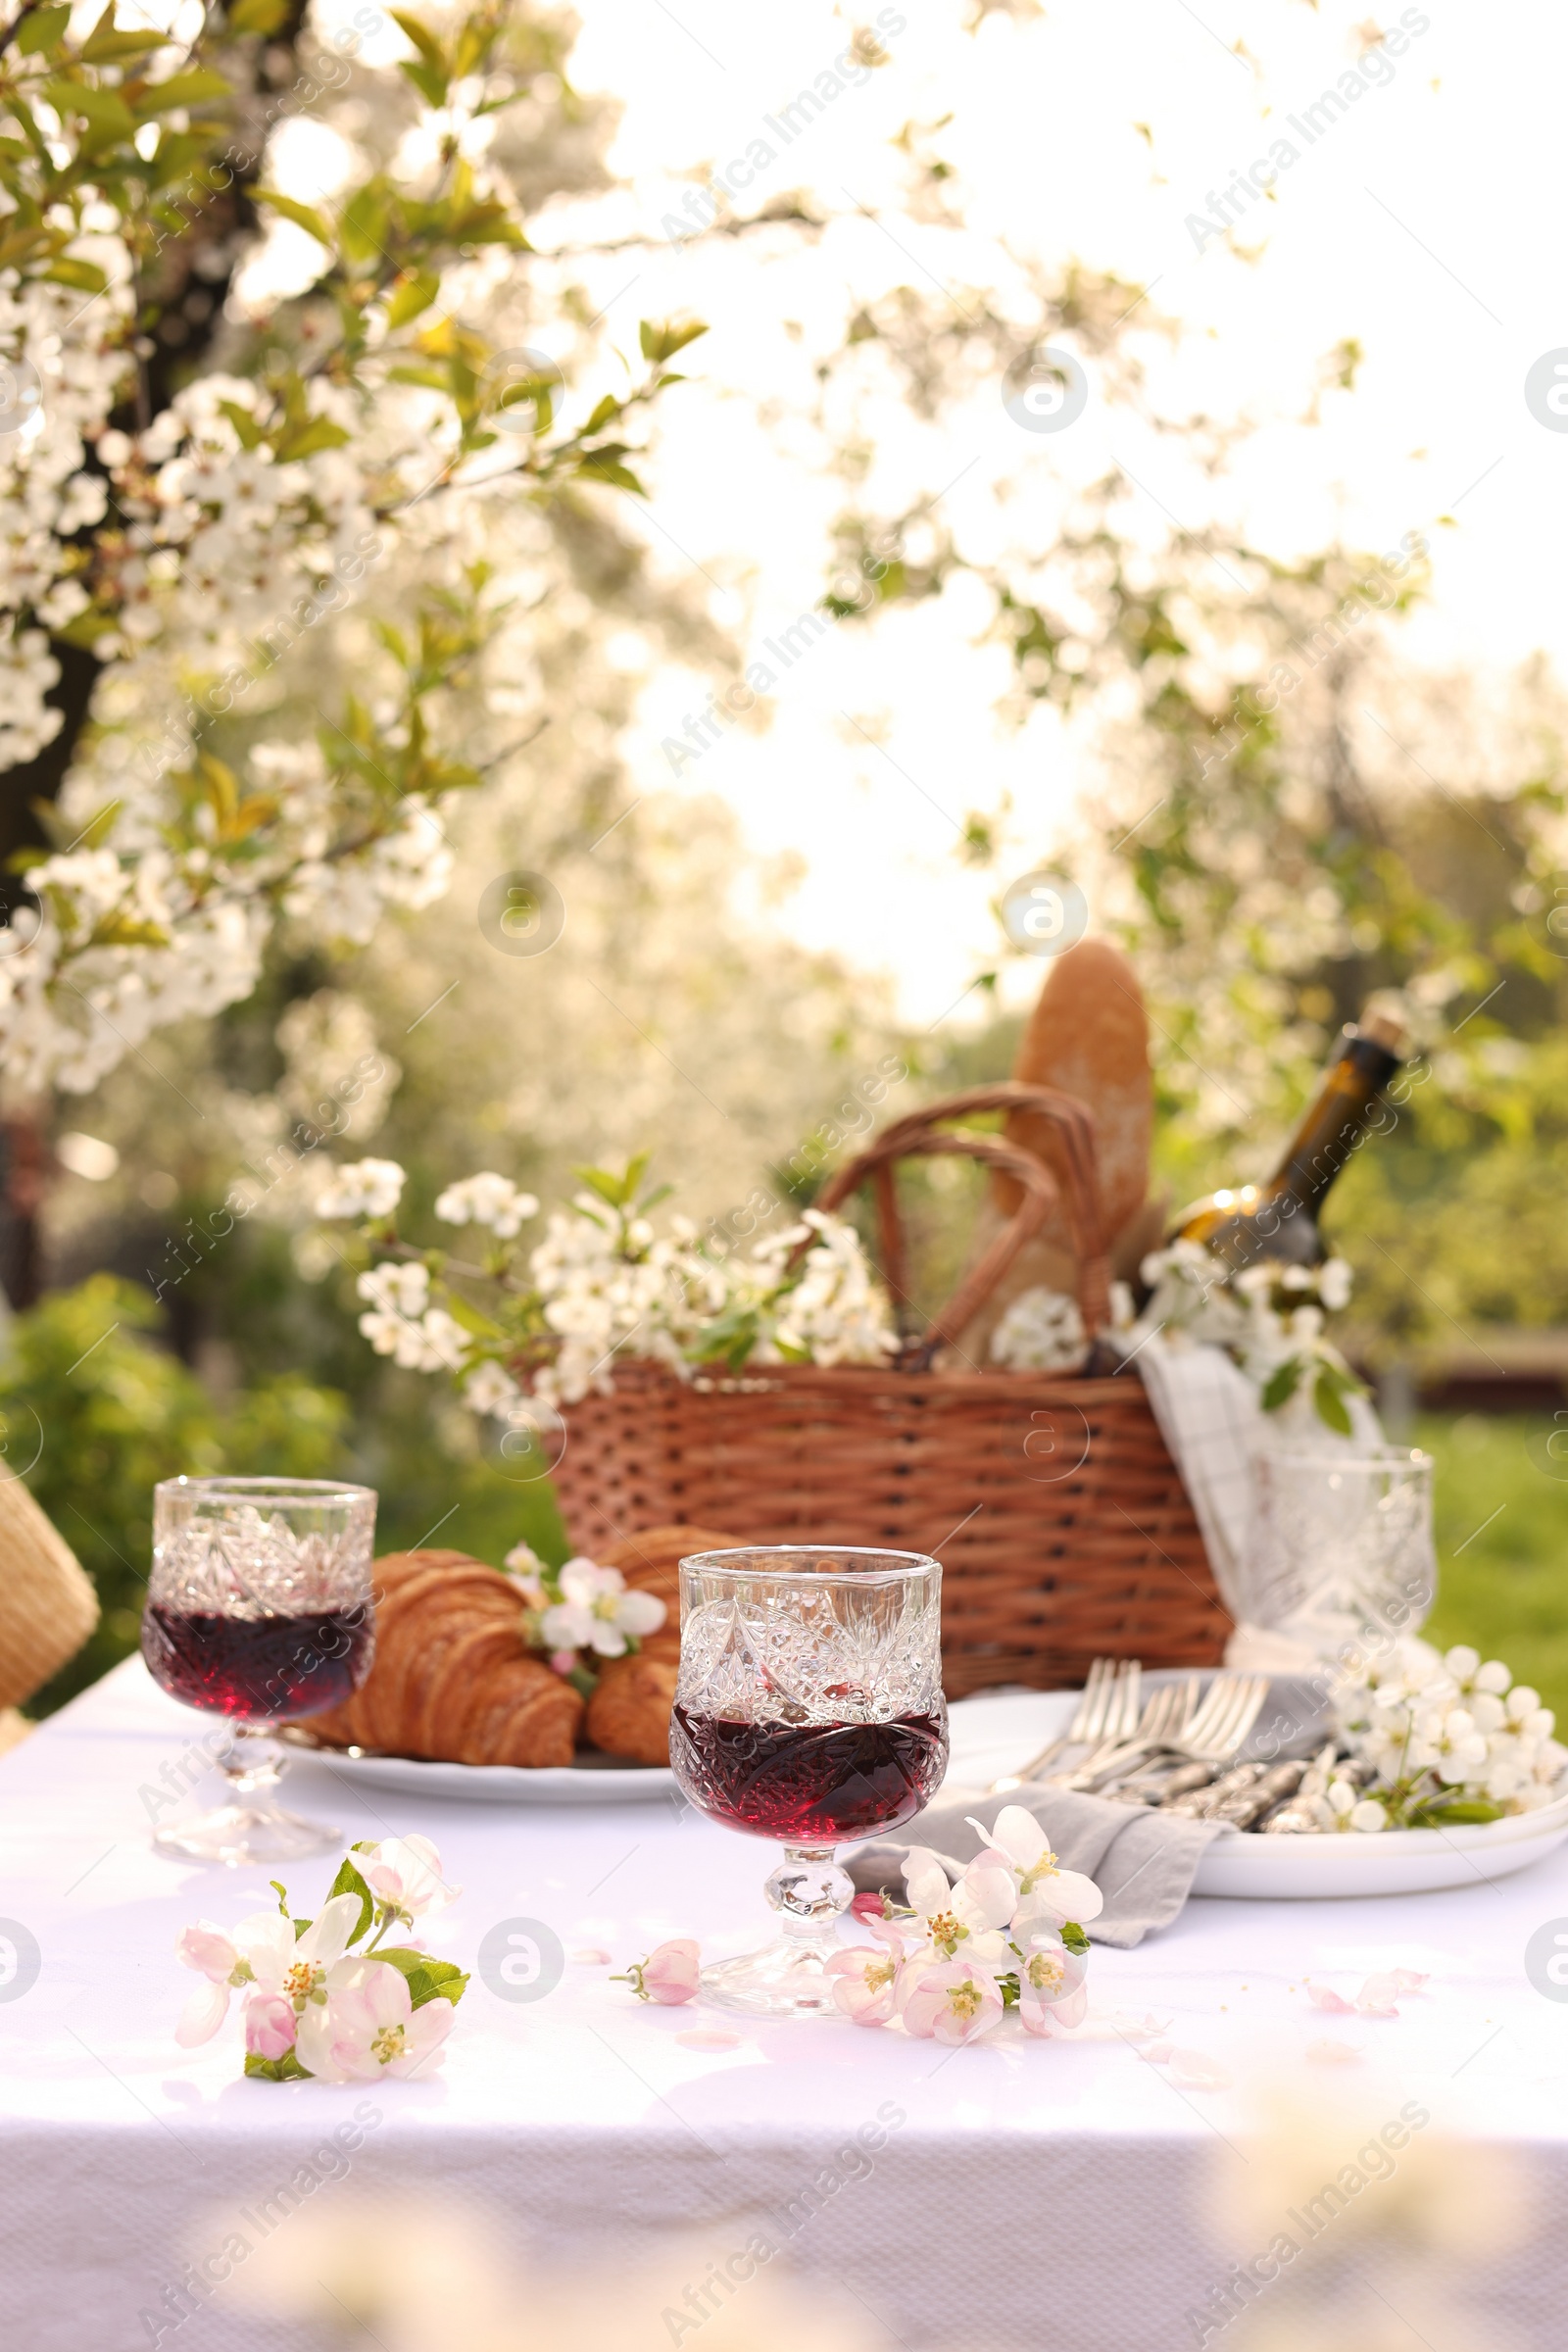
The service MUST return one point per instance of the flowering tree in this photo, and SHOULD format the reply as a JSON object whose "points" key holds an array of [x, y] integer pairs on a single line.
{"points": [[173, 536]]}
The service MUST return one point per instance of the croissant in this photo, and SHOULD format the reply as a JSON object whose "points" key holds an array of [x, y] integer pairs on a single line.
{"points": [[628, 1714], [451, 1679]]}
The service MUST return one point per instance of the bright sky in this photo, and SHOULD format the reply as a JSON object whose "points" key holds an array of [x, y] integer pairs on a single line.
{"points": [[1418, 223]]}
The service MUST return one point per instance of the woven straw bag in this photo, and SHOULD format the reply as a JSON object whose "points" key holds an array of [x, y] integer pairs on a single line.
{"points": [[1062, 1525], [47, 1603]]}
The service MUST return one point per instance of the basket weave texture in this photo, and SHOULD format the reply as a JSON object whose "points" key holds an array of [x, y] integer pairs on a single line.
{"points": [[47, 1603], [1064, 1529]]}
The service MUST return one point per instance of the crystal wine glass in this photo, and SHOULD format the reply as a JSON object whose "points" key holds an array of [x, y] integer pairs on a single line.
{"points": [[258, 1610], [808, 1709], [1341, 1551]]}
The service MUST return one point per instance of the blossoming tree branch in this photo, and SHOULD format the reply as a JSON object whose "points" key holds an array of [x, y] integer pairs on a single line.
{"points": [[333, 444]]}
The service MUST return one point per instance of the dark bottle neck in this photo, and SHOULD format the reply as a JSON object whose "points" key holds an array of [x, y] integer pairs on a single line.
{"points": [[1334, 1122]]}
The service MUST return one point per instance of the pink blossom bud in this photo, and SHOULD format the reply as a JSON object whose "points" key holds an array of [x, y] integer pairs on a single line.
{"points": [[668, 1975], [269, 2024]]}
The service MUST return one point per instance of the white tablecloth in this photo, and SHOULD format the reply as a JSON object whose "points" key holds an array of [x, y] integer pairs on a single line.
{"points": [[1029, 2189]]}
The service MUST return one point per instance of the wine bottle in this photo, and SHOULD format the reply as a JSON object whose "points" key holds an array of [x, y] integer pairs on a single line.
{"points": [[1277, 1219]]}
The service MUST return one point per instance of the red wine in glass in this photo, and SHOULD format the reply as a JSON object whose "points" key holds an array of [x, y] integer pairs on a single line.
{"points": [[265, 1669], [259, 1611], [814, 1783]]}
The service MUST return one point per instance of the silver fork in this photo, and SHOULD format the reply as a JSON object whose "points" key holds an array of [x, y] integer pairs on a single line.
{"points": [[1230, 1707], [1092, 1721], [1169, 1710]]}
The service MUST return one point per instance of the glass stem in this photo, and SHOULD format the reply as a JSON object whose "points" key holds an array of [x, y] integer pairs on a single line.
{"points": [[811, 1892], [251, 1762]]}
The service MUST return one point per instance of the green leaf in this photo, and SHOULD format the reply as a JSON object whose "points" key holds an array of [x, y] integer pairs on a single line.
{"points": [[362, 227], [1328, 1398], [103, 824], [429, 81], [607, 408], [251, 434], [287, 2069], [191, 88], [1282, 1384], [611, 1189], [437, 1980], [108, 118], [320, 433], [305, 216], [413, 295], [610, 469], [106, 45], [42, 28], [85, 275], [258, 16], [419, 33], [472, 1318], [281, 1893], [349, 1881], [1436, 1812], [1073, 1936], [662, 341], [427, 1979]]}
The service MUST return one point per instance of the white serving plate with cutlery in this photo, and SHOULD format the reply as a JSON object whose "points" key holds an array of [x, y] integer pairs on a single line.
{"points": [[994, 1734]]}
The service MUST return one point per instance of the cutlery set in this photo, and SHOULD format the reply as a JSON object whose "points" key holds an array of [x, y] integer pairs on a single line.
{"points": [[1174, 1750]]}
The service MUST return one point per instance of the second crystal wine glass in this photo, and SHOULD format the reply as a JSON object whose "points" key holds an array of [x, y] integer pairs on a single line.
{"points": [[258, 1609], [809, 1710]]}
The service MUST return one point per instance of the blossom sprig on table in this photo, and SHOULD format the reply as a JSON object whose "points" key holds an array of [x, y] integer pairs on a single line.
{"points": [[580, 1607], [1008, 1936], [313, 2005], [1269, 1318], [1434, 1739], [520, 1322]]}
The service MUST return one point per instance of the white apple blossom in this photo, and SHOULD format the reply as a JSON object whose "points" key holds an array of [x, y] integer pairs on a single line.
{"points": [[367, 1188], [487, 1200], [1436, 1725], [597, 1612], [1042, 1330], [403, 1874], [1051, 1994], [490, 1389], [366, 2025], [1046, 1892]]}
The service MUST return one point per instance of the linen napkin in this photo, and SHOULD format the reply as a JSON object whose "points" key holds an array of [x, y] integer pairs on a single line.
{"points": [[1143, 1862], [1213, 1425]]}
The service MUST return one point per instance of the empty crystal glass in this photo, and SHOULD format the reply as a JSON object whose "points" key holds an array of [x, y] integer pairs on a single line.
{"points": [[808, 1709], [258, 1610], [1341, 1551]]}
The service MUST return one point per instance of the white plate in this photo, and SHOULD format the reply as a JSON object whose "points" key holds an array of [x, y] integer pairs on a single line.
{"points": [[993, 1736], [588, 1782]]}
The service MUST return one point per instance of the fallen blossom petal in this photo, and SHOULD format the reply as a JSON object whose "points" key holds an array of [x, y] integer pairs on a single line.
{"points": [[1332, 2053], [1194, 2069], [1378, 1997], [1409, 1980], [1323, 1996]]}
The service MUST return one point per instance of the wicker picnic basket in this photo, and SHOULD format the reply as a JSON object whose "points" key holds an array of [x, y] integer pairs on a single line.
{"points": [[1062, 1522]]}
